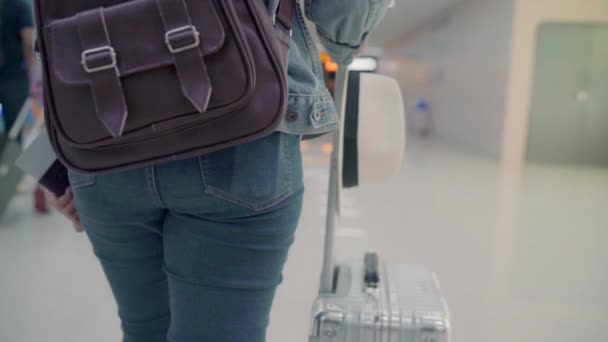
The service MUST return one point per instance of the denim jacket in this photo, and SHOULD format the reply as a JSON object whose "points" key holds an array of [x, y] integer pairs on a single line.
{"points": [[343, 26]]}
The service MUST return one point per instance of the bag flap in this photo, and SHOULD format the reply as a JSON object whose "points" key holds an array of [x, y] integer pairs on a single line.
{"points": [[137, 34]]}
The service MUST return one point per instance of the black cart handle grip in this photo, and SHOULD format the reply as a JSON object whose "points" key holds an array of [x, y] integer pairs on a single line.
{"points": [[372, 270]]}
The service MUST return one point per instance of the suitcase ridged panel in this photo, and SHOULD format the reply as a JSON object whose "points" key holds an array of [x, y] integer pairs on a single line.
{"points": [[407, 307]]}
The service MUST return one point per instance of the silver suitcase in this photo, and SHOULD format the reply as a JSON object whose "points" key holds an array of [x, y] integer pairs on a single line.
{"points": [[403, 305], [366, 300]]}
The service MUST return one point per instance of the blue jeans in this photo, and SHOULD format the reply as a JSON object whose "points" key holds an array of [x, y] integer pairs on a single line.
{"points": [[194, 250]]}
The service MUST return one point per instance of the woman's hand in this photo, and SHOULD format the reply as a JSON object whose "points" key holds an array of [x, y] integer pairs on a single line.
{"points": [[65, 205]]}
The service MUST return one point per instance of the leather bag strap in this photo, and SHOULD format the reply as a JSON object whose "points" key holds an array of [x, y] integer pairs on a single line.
{"points": [[100, 62], [183, 40]]}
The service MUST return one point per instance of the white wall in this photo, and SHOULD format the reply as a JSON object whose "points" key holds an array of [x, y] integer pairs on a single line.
{"points": [[460, 61], [528, 15]]}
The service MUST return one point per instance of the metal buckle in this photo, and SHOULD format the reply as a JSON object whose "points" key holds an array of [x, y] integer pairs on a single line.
{"points": [[184, 29], [91, 52]]}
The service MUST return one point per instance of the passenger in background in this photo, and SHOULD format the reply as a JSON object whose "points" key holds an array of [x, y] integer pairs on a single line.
{"points": [[18, 73], [16, 57]]}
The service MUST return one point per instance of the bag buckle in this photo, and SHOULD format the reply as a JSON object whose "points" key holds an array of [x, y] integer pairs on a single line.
{"points": [[187, 35], [99, 59]]}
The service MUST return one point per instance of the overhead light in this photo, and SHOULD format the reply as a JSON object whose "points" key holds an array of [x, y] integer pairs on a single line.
{"points": [[364, 64]]}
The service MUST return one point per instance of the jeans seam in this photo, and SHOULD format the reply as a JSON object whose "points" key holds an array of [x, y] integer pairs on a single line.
{"points": [[373, 8], [289, 160], [90, 181], [174, 276], [78, 181], [310, 46], [253, 206], [151, 180]]}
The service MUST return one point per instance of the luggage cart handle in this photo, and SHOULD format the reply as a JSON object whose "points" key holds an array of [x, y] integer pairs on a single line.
{"points": [[327, 273], [372, 271]]}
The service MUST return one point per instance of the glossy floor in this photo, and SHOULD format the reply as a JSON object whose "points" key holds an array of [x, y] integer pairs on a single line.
{"points": [[520, 252]]}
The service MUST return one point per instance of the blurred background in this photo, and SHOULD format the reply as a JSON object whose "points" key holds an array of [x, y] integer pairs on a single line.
{"points": [[504, 192]]}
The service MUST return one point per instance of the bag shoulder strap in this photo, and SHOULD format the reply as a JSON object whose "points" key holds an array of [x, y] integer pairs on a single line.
{"points": [[286, 13]]}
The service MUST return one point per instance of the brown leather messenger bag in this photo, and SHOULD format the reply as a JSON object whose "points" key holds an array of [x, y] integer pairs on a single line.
{"points": [[139, 82]]}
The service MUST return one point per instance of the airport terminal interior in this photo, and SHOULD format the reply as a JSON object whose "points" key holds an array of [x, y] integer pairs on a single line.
{"points": [[503, 191]]}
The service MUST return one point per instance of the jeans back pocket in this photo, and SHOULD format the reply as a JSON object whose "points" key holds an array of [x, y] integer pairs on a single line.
{"points": [[80, 180], [256, 175]]}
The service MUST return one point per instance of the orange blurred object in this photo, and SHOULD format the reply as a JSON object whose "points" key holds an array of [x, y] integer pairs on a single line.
{"points": [[328, 64], [331, 67], [304, 146], [327, 148], [37, 110], [324, 57]]}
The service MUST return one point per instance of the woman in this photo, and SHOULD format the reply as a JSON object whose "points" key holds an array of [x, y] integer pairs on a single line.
{"points": [[193, 250]]}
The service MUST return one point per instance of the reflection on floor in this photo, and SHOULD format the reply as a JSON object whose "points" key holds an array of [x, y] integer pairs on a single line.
{"points": [[520, 252]]}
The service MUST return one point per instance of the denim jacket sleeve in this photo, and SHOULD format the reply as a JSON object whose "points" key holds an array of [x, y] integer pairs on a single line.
{"points": [[343, 25]]}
